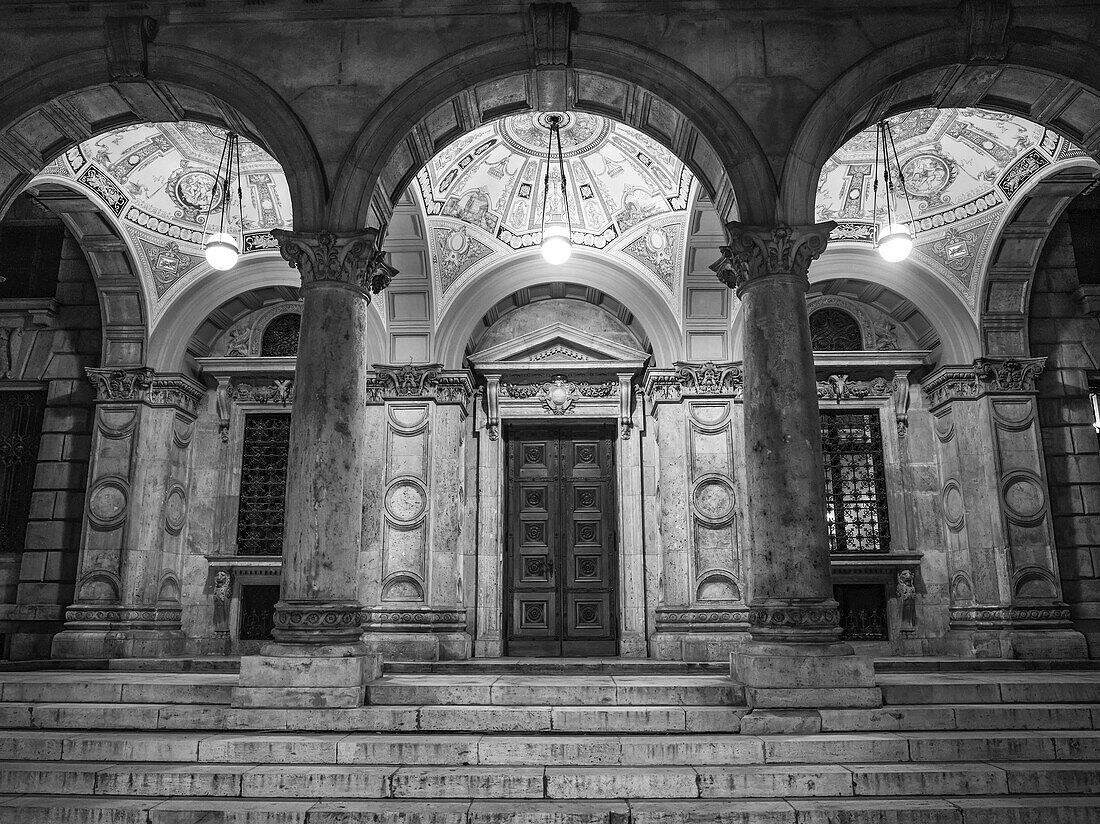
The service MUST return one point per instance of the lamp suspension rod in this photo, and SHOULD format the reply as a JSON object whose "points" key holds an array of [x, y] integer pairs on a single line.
{"points": [[886, 176], [874, 188], [561, 171], [240, 191], [546, 180], [901, 179], [214, 188]]}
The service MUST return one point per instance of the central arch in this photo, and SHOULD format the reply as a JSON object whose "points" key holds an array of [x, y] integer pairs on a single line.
{"points": [[607, 76]]}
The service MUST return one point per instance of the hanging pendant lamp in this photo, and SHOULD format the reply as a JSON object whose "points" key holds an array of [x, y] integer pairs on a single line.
{"points": [[893, 239], [557, 243], [222, 248]]}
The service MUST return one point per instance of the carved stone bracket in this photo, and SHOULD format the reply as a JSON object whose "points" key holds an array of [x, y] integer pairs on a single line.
{"points": [[352, 258], [127, 44], [144, 385], [419, 381], [984, 376], [756, 252], [552, 29], [987, 25], [692, 378]]}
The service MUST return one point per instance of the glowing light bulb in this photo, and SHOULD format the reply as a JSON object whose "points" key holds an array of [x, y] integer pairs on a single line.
{"points": [[222, 251], [556, 247], [895, 243]]}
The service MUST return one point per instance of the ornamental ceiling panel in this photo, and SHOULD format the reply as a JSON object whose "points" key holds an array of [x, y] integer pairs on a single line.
{"points": [[627, 196], [962, 169], [158, 180]]}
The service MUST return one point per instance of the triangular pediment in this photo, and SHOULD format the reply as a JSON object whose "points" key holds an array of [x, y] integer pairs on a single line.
{"points": [[559, 345]]}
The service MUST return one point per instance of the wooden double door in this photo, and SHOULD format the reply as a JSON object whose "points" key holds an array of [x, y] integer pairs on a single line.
{"points": [[560, 551]]}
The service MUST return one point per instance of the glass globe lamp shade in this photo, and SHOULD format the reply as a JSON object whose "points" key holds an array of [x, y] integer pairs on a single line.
{"points": [[222, 251], [895, 243], [556, 247]]}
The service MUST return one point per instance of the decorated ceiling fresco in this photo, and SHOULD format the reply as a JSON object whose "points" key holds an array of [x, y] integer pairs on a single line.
{"points": [[628, 198], [157, 180], [962, 167]]}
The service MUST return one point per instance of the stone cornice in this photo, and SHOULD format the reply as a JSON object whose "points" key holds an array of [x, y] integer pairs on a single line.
{"points": [[353, 258], [145, 385], [982, 377], [758, 252]]}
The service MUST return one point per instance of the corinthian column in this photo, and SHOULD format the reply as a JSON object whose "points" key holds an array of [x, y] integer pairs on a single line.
{"points": [[318, 658], [793, 658]]}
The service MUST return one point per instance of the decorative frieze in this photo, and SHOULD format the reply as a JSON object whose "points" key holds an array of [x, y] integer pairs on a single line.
{"points": [[1002, 617], [433, 620], [145, 385], [558, 396], [756, 252], [317, 622], [983, 376], [275, 391], [81, 616], [702, 620], [352, 258]]}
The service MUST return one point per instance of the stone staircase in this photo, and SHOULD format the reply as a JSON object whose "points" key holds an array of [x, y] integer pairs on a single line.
{"points": [[612, 744]]}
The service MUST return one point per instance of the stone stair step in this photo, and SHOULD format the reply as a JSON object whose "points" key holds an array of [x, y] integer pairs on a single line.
{"points": [[557, 666], [946, 810], [1006, 688], [100, 688], [538, 782], [554, 748], [518, 690]]}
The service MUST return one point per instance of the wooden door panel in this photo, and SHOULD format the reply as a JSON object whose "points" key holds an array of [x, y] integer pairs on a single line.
{"points": [[560, 553]]}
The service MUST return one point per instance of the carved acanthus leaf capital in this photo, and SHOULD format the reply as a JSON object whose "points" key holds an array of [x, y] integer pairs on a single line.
{"points": [[1009, 374], [352, 258], [756, 252], [145, 385]]}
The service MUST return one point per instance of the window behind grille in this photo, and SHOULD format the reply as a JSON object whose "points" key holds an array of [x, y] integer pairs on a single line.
{"points": [[280, 338], [257, 612], [263, 485], [855, 484], [20, 432]]}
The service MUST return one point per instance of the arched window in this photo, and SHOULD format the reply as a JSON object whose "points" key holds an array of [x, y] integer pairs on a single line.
{"points": [[834, 330], [280, 338]]}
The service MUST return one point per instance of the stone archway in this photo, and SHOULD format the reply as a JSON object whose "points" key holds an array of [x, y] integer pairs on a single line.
{"points": [[51, 107], [605, 76], [981, 64]]}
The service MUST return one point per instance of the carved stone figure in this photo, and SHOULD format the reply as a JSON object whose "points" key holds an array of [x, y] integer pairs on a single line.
{"points": [[9, 342], [886, 336], [238, 342], [223, 584], [907, 595]]}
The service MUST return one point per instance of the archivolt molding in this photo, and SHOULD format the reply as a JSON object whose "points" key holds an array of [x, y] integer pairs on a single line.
{"points": [[490, 80]]}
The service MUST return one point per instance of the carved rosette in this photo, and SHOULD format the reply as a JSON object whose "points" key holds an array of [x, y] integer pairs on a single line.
{"points": [[353, 258], [998, 617], [983, 376], [795, 621], [756, 252], [385, 620], [317, 622], [145, 385], [95, 616]]}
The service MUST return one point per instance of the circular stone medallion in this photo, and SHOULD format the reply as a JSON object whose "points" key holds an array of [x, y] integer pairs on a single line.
{"points": [[107, 504], [406, 501], [194, 189], [926, 175], [714, 501]]}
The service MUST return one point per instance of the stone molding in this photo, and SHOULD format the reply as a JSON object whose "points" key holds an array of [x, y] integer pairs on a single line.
{"points": [[418, 620], [691, 378], [998, 617], [145, 385], [425, 381], [353, 258], [732, 619], [758, 252], [80, 616], [317, 622], [796, 621], [982, 377]]}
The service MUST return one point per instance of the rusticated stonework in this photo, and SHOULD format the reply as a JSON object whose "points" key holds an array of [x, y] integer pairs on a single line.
{"points": [[352, 258], [759, 251]]}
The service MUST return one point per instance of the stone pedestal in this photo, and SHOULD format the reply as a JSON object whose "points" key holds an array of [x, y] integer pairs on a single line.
{"points": [[318, 659], [127, 592], [793, 658], [1006, 591]]}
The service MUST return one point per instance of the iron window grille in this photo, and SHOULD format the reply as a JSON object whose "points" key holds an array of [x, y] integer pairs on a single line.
{"points": [[280, 338], [20, 433], [257, 612], [835, 330], [263, 484], [855, 482], [862, 612]]}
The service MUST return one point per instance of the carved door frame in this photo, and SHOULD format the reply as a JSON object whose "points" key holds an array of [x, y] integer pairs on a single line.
{"points": [[552, 372]]}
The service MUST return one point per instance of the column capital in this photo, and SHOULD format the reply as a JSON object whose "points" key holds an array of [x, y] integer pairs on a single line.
{"points": [[757, 252], [982, 377], [353, 258], [145, 385]]}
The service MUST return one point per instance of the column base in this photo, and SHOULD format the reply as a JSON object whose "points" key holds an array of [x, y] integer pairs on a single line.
{"points": [[1024, 644], [292, 676], [419, 646], [114, 631], [788, 676]]}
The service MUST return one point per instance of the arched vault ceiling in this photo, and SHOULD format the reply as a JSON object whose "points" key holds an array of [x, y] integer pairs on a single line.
{"points": [[156, 180], [963, 169], [628, 198]]}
